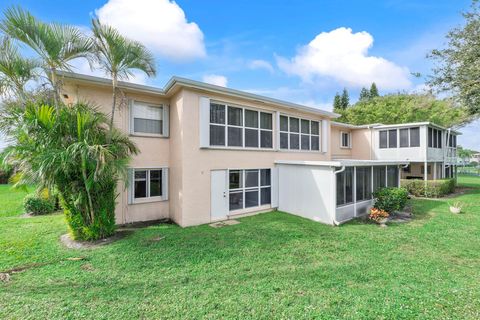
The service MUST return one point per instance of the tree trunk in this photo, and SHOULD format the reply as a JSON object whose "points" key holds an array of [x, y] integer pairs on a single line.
{"points": [[53, 79], [89, 197], [114, 102]]}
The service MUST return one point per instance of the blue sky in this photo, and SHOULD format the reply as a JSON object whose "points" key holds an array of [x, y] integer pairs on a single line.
{"points": [[302, 51]]}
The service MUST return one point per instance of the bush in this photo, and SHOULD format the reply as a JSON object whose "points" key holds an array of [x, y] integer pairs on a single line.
{"points": [[390, 199], [430, 188], [38, 204]]}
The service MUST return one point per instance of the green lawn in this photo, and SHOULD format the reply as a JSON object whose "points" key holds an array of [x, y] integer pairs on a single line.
{"points": [[272, 265], [11, 201]]}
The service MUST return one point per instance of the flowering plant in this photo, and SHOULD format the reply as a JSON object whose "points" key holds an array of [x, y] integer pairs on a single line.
{"points": [[377, 214]]}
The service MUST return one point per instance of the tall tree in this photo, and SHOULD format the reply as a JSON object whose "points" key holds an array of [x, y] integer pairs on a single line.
{"points": [[15, 71], [364, 94], [345, 99], [337, 103], [457, 68], [118, 56], [373, 91], [56, 44], [404, 108]]}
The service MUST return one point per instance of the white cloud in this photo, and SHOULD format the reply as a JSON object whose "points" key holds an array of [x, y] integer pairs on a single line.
{"points": [[343, 56], [159, 24], [215, 79], [260, 64]]}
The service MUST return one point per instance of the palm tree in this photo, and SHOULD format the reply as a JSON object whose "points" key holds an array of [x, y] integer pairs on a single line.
{"points": [[56, 44], [15, 71], [118, 56], [71, 149]]}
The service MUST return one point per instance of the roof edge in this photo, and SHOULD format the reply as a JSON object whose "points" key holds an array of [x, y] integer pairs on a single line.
{"points": [[183, 82]]}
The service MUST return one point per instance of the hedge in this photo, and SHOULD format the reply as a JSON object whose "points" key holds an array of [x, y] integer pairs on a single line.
{"points": [[429, 188]]}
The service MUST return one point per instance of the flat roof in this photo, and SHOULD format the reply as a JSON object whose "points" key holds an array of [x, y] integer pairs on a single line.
{"points": [[386, 126], [176, 82], [343, 162]]}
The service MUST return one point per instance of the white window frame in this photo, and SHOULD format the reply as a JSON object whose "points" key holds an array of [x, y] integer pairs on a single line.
{"points": [[245, 189], [144, 134], [242, 127], [349, 134], [165, 183], [319, 135], [388, 138]]}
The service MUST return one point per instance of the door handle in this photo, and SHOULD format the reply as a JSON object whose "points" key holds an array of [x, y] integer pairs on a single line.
{"points": [[224, 194]]}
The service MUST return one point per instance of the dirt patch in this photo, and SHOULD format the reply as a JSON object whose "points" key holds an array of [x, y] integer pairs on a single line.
{"points": [[224, 223], [70, 243]]}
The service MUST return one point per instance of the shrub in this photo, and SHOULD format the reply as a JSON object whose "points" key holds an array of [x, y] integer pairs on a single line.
{"points": [[390, 199], [38, 204], [429, 188], [71, 149]]}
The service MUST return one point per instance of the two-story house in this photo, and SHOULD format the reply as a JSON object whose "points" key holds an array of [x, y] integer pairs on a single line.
{"points": [[209, 153]]}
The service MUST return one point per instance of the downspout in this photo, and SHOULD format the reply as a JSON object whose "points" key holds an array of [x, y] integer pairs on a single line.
{"points": [[335, 222]]}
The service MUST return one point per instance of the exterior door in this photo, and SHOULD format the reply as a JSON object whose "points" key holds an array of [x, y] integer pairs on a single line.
{"points": [[218, 195]]}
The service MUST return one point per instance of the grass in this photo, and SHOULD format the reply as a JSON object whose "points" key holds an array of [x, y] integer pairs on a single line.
{"points": [[273, 265], [11, 201]]}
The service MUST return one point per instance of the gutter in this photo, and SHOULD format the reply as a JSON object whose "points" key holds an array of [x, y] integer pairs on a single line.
{"points": [[334, 219]]}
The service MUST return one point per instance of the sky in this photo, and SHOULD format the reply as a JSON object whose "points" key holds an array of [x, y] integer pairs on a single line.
{"points": [[299, 51]]}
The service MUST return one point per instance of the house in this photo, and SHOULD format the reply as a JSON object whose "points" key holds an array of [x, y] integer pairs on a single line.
{"points": [[209, 153], [429, 148]]}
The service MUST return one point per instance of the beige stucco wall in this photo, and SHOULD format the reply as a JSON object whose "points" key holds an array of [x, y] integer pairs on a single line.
{"points": [[362, 144], [337, 151], [189, 165], [154, 152], [197, 163]]}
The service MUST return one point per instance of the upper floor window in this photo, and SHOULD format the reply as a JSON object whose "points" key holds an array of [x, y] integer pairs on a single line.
{"points": [[234, 126], [434, 138], [147, 119], [388, 138], [452, 141], [410, 137], [346, 141], [299, 134]]}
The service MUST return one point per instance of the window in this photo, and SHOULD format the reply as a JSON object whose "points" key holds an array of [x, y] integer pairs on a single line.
{"points": [[404, 141], [147, 119], [299, 134], [240, 127], [345, 186], [430, 137], [407, 169], [388, 138], [452, 141], [148, 183], [434, 138], [383, 139], [415, 137], [249, 188], [379, 177], [392, 138], [346, 139], [410, 137], [364, 183], [392, 176]]}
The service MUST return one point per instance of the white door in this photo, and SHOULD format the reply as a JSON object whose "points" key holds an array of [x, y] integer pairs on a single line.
{"points": [[218, 195]]}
